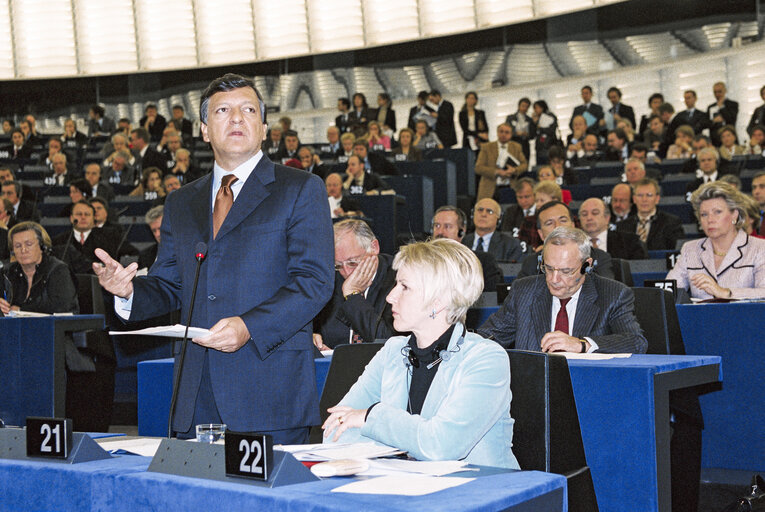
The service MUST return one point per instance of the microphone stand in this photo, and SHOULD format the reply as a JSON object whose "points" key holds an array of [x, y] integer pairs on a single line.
{"points": [[68, 242], [199, 254]]}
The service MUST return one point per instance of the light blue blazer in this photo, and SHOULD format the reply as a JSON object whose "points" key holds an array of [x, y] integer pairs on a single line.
{"points": [[466, 413]]}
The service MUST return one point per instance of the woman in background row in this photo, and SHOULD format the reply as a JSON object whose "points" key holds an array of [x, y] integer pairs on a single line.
{"points": [[547, 130], [441, 393], [728, 263], [475, 129], [405, 151]]}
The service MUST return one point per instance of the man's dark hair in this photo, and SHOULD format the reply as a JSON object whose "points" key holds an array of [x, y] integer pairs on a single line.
{"points": [[435, 92], [422, 95], [619, 134], [616, 90], [10, 170], [549, 205], [142, 134], [656, 95], [542, 104], [640, 147], [556, 152], [178, 106], [666, 108], [345, 102], [519, 184], [524, 100], [702, 137], [104, 203], [124, 120], [586, 87], [461, 217], [150, 105], [290, 133], [83, 186], [15, 184], [692, 92], [10, 122], [86, 203], [654, 116], [225, 83], [98, 110], [17, 130]]}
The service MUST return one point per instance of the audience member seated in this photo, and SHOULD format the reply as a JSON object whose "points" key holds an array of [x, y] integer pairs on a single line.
{"points": [[290, 149], [699, 142], [569, 308], [187, 127], [150, 187], [372, 161], [758, 193], [591, 112], [358, 117], [36, 280], [347, 140], [692, 116], [475, 129], [729, 146], [635, 170], [523, 126], [499, 163], [756, 144], [640, 151], [443, 112], [340, 204], [118, 142], [575, 139], [550, 216], [451, 222], [124, 127], [654, 102], [721, 113], [274, 144], [547, 130], [102, 217], [31, 137], [589, 155], [79, 190], [727, 263], [405, 151], [708, 158], [653, 137], [683, 146], [153, 219], [758, 116], [629, 132], [184, 169], [657, 229], [595, 219], [546, 191], [385, 115], [621, 202], [753, 217], [8, 126], [523, 211], [73, 138], [376, 139], [342, 121], [77, 247], [54, 146], [145, 156], [486, 237], [17, 150], [60, 175], [618, 149], [667, 115], [6, 218], [558, 163], [22, 209], [425, 138], [169, 146], [433, 419], [97, 187], [358, 182], [310, 162], [546, 173], [357, 312], [618, 110], [153, 122], [333, 148], [99, 124]]}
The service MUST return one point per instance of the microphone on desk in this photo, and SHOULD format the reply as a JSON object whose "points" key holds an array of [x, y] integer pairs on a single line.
{"points": [[199, 253]]}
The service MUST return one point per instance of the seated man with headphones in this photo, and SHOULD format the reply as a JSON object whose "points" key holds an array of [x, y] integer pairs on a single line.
{"points": [[487, 216], [568, 308]]}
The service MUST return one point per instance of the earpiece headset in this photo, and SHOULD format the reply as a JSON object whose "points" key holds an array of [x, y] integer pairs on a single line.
{"points": [[38, 234], [461, 218], [586, 267]]}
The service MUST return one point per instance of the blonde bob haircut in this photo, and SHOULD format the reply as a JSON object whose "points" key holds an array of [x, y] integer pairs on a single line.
{"points": [[448, 271], [734, 199], [550, 188]]}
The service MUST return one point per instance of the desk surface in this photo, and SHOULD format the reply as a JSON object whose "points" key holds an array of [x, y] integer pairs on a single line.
{"points": [[123, 484]]}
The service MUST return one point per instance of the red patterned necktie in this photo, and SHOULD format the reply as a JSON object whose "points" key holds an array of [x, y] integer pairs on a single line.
{"points": [[561, 321]]}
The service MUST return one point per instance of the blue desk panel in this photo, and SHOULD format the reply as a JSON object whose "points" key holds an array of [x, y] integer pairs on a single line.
{"points": [[122, 484], [734, 420]]}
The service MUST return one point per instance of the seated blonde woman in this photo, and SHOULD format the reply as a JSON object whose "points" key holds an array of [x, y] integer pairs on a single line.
{"points": [[546, 191], [441, 393], [406, 152], [683, 146]]}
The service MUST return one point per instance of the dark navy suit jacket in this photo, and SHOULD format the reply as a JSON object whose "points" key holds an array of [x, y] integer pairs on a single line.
{"points": [[272, 265]]}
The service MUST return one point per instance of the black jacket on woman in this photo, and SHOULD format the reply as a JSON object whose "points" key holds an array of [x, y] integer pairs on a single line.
{"points": [[53, 288]]}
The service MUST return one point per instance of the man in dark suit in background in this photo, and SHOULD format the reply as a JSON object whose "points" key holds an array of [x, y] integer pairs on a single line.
{"points": [[595, 218], [553, 215], [721, 113], [267, 274], [17, 149], [187, 128], [342, 121], [98, 188], [516, 214], [618, 109], [486, 238], [592, 112], [657, 229], [372, 161], [99, 124], [357, 311], [444, 119], [77, 246], [416, 112], [153, 122], [145, 155], [22, 209], [691, 116], [569, 308]]}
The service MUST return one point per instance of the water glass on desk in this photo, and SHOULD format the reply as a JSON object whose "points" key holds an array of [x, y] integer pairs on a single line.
{"points": [[210, 432]]}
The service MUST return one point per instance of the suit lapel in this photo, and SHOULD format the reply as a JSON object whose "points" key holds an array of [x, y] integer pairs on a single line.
{"points": [[252, 194], [586, 309], [735, 253], [708, 258], [200, 207], [541, 311]]}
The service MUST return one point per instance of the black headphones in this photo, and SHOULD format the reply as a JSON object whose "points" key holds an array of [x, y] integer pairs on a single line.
{"points": [[586, 267], [38, 234], [500, 214], [440, 350]]}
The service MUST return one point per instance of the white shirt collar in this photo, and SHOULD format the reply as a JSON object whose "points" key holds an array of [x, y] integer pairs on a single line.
{"points": [[242, 173]]}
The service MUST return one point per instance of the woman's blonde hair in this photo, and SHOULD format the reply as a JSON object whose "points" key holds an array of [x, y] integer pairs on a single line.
{"points": [[448, 271], [734, 199], [550, 188]]}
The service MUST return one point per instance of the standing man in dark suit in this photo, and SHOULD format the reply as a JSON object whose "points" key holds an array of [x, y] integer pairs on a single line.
{"points": [[595, 218], [618, 109], [524, 128], [267, 274], [444, 119], [486, 238], [358, 311], [691, 116], [342, 121], [657, 229], [418, 111], [592, 113], [569, 308], [721, 113]]}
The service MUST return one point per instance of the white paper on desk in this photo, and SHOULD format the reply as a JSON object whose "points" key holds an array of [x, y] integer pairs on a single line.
{"points": [[26, 314], [424, 467], [146, 446], [403, 485], [594, 356], [316, 452], [168, 331]]}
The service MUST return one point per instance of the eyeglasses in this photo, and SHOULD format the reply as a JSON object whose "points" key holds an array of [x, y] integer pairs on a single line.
{"points": [[568, 272], [349, 264], [481, 209]]}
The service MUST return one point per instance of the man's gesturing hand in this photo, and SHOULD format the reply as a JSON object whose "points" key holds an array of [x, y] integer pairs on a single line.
{"points": [[114, 277]]}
